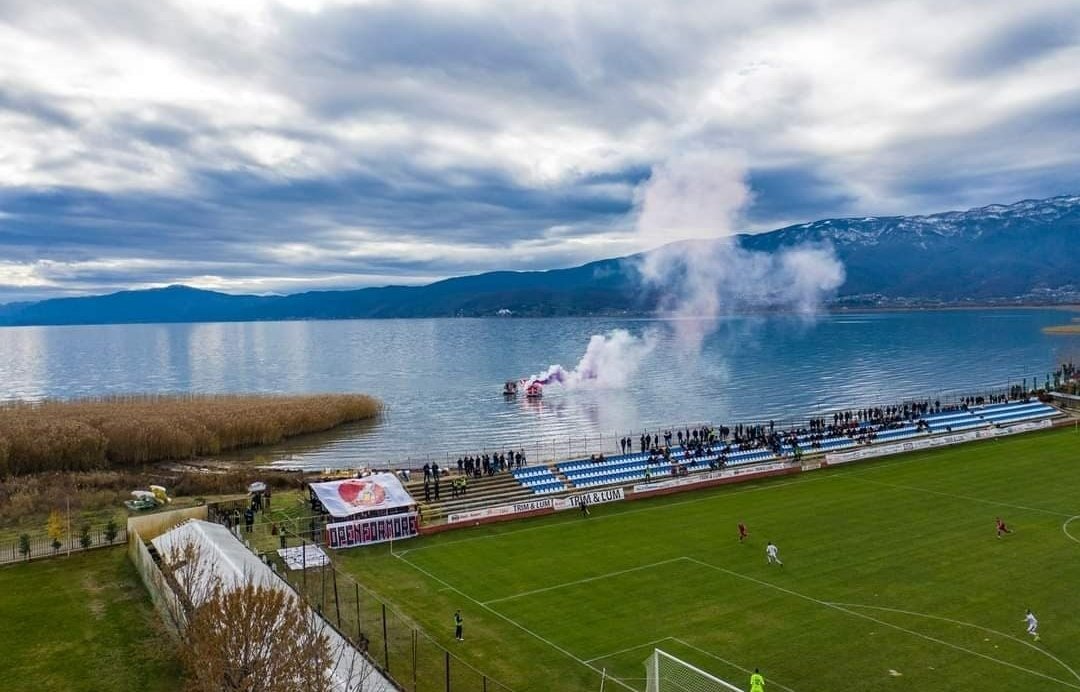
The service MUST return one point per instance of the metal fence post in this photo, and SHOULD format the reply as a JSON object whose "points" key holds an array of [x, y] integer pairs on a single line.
{"points": [[385, 642], [414, 636], [322, 588], [447, 671], [337, 604], [359, 631]]}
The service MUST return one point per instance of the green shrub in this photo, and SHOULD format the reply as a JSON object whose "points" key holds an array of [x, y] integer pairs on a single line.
{"points": [[110, 531], [84, 536]]}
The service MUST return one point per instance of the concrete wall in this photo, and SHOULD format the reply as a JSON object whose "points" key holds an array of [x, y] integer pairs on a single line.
{"points": [[150, 526]]}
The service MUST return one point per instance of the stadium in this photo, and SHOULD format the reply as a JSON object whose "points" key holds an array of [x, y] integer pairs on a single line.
{"points": [[625, 573]]}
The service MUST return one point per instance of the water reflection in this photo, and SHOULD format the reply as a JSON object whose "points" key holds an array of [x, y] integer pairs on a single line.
{"points": [[441, 379]]}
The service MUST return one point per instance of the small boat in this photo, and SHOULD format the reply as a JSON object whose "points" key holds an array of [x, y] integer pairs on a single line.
{"points": [[534, 391], [510, 388]]}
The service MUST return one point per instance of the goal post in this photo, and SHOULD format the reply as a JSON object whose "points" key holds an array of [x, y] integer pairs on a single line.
{"points": [[665, 673]]}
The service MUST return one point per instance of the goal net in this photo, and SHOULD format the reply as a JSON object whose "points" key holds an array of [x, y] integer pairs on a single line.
{"points": [[665, 673]]}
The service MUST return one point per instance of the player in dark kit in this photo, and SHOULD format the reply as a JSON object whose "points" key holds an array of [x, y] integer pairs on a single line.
{"points": [[459, 624], [743, 533], [1001, 528]]}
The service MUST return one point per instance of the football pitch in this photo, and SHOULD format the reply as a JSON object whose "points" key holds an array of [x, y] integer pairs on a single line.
{"points": [[893, 579]]}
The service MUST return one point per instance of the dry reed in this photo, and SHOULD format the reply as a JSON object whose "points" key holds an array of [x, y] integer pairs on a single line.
{"points": [[117, 432]]}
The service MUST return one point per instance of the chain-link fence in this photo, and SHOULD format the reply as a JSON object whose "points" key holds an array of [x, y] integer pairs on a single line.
{"points": [[415, 661]]}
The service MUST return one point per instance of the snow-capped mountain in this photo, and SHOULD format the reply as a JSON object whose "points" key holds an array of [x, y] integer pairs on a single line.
{"points": [[1023, 253]]}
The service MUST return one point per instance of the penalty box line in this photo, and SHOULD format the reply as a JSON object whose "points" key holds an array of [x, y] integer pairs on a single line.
{"points": [[884, 623], [586, 580], [955, 496], [515, 623]]}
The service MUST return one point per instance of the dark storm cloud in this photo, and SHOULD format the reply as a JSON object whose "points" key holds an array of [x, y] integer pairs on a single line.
{"points": [[795, 192], [275, 145], [1015, 44]]}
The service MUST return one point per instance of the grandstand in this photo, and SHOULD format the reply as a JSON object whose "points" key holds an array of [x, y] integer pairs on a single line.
{"points": [[559, 478], [627, 468]]}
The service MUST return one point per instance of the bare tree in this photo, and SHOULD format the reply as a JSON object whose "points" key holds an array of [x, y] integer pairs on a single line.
{"points": [[245, 636], [353, 670]]}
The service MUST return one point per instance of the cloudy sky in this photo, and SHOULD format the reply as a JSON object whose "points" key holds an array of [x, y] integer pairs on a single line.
{"points": [[282, 145]]}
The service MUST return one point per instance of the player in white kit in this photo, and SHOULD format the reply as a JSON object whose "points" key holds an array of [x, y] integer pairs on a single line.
{"points": [[771, 555], [1032, 625]]}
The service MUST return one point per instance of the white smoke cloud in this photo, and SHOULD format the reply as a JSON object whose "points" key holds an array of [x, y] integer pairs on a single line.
{"points": [[691, 196], [685, 213], [610, 360], [695, 199]]}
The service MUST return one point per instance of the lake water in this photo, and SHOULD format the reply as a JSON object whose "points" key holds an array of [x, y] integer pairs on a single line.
{"points": [[441, 379]]}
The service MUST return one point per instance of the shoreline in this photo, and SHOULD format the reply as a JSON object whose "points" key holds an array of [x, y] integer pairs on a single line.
{"points": [[827, 309], [1062, 330]]}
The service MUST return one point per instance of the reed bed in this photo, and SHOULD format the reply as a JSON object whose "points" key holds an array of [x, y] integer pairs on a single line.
{"points": [[128, 431]]}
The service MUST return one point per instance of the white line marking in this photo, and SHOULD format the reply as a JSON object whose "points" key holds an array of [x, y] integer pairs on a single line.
{"points": [[772, 681], [881, 622], [513, 622], [968, 624], [799, 480], [958, 497], [1065, 528], [629, 648], [586, 580]]}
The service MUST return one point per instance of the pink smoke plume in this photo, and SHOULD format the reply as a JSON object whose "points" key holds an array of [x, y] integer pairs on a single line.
{"points": [[610, 360]]}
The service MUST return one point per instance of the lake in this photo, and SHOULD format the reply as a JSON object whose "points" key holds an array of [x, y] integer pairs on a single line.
{"points": [[442, 378]]}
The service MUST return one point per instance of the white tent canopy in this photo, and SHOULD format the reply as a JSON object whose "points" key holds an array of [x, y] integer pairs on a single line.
{"points": [[225, 558]]}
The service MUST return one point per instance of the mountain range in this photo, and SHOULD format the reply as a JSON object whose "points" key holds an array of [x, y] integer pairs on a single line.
{"points": [[1022, 253]]}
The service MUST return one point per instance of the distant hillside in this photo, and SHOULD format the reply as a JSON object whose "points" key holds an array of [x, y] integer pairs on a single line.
{"points": [[1019, 253]]}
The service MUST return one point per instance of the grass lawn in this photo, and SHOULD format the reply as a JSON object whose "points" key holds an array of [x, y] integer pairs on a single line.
{"points": [[893, 579], [81, 623]]}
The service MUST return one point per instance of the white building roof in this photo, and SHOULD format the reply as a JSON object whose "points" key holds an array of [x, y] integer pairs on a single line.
{"points": [[227, 559]]}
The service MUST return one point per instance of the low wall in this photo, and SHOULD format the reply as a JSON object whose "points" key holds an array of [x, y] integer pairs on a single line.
{"points": [[150, 526], [489, 519], [143, 528], [1066, 401], [708, 479], [163, 598]]}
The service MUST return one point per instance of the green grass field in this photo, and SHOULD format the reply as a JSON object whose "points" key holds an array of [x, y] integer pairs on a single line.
{"points": [[81, 623], [893, 579]]}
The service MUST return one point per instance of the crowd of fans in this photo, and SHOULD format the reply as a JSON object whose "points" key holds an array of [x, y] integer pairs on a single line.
{"points": [[862, 425], [490, 464], [468, 466], [717, 443]]}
